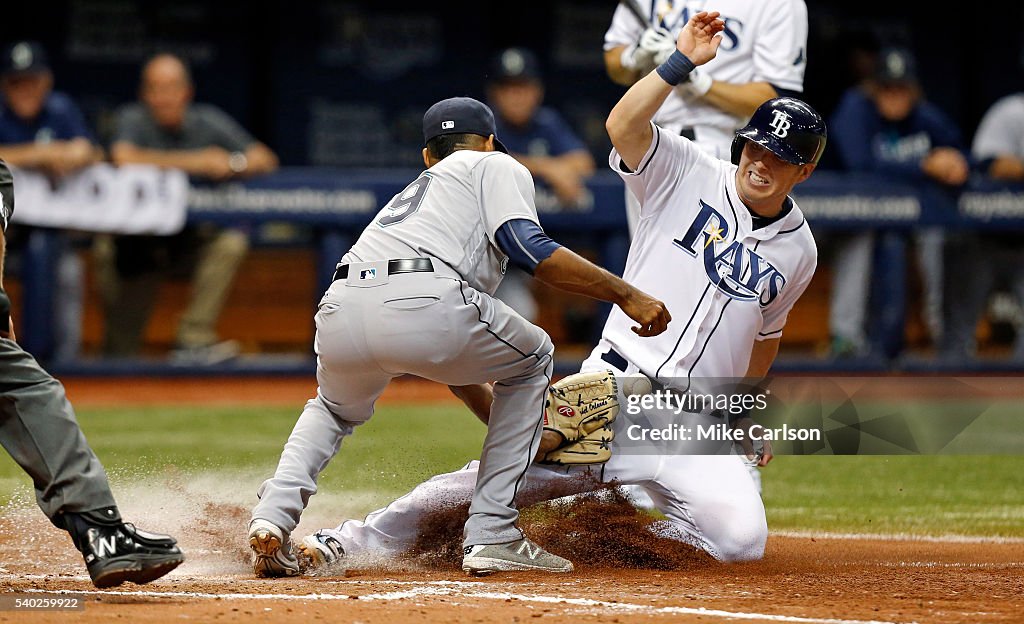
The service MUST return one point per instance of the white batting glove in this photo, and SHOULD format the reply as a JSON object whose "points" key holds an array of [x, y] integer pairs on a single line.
{"points": [[699, 83], [637, 59], [659, 42]]}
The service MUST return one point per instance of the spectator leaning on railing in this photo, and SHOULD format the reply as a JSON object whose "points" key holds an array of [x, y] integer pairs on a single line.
{"points": [[979, 261], [167, 130], [43, 130], [885, 126], [539, 138]]}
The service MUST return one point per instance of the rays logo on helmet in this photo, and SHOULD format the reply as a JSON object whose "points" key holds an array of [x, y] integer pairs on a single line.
{"points": [[780, 123]]}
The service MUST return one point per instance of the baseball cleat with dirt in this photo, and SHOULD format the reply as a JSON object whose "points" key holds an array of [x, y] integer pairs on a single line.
{"points": [[271, 551], [523, 554], [319, 550]]}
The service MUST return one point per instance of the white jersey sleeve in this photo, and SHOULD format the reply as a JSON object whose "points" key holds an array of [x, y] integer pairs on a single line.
{"points": [[668, 160], [506, 191], [625, 29], [780, 55], [1001, 130], [776, 313]]}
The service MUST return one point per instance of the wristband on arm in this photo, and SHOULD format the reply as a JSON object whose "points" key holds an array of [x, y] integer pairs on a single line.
{"points": [[676, 69]]}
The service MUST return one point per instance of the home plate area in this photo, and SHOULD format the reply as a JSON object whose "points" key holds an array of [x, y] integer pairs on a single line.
{"points": [[827, 579]]}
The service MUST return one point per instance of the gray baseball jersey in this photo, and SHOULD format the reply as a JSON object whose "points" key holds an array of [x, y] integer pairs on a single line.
{"points": [[451, 212], [1002, 129], [440, 324]]}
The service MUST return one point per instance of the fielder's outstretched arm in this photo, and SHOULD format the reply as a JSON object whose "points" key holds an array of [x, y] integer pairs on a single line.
{"points": [[567, 271]]}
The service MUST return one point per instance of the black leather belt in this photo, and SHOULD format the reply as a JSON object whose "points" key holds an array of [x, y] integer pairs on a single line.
{"points": [[404, 265]]}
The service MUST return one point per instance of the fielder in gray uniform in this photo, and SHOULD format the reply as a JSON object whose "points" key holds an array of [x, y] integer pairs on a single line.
{"points": [[413, 296], [39, 430]]}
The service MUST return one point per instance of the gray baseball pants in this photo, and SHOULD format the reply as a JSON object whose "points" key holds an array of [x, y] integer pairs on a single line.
{"points": [[39, 430], [435, 326]]}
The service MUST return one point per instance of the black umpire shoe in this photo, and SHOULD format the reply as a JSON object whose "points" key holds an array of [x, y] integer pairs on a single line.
{"points": [[116, 552]]}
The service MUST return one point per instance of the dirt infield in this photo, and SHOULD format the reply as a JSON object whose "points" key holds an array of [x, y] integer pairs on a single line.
{"points": [[252, 390], [803, 579], [800, 580]]}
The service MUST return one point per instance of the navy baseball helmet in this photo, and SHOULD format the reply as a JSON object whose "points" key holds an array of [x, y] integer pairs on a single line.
{"points": [[788, 128]]}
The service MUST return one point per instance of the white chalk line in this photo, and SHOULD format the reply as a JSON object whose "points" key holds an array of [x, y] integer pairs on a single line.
{"points": [[441, 589], [902, 537]]}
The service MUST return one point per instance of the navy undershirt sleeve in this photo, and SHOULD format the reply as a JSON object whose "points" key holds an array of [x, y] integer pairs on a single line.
{"points": [[525, 243]]}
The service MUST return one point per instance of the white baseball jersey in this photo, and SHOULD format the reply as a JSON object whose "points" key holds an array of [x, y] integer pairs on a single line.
{"points": [[1001, 130], [763, 41], [451, 212], [725, 283]]}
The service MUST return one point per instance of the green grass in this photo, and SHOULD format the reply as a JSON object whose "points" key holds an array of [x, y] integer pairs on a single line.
{"points": [[404, 444], [924, 495]]}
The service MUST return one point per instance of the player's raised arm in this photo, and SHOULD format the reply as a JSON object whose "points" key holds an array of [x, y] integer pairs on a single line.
{"points": [[628, 123]]}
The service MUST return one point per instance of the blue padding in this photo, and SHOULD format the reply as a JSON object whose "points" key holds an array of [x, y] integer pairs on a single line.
{"points": [[525, 243]]}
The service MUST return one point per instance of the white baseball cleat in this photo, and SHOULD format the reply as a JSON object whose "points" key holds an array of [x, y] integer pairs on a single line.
{"points": [[518, 555], [319, 550], [271, 550]]}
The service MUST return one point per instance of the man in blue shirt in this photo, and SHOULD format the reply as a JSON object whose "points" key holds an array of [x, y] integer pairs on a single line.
{"points": [[537, 135], [886, 127], [43, 130], [541, 140]]}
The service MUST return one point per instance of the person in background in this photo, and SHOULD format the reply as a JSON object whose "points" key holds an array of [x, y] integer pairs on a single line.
{"points": [[978, 261], [763, 55], [43, 130], [887, 127], [167, 129], [540, 139]]}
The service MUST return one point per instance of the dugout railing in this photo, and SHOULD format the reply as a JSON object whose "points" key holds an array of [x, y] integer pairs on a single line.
{"points": [[338, 203]]}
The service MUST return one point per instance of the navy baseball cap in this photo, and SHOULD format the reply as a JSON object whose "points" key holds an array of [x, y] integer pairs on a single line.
{"points": [[896, 66], [515, 64], [460, 115], [24, 57]]}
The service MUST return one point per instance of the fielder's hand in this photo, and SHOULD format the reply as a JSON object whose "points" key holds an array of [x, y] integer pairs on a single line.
{"points": [[651, 314]]}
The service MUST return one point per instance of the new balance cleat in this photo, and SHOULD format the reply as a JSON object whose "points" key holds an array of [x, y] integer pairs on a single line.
{"points": [[319, 550], [271, 551], [523, 554], [116, 552]]}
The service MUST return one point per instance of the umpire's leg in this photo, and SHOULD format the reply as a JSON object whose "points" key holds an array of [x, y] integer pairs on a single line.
{"points": [[38, 428]]}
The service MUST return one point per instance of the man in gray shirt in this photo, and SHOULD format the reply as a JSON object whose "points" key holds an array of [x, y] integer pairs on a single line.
{"points": [[167, 130], [982, 261]]}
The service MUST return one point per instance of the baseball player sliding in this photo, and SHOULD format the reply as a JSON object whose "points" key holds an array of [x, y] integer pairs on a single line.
{"points": [[730, 252], [413, 296]]}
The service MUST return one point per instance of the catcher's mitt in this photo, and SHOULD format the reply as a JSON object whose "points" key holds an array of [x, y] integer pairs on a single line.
{"points": [[581, 408]]}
